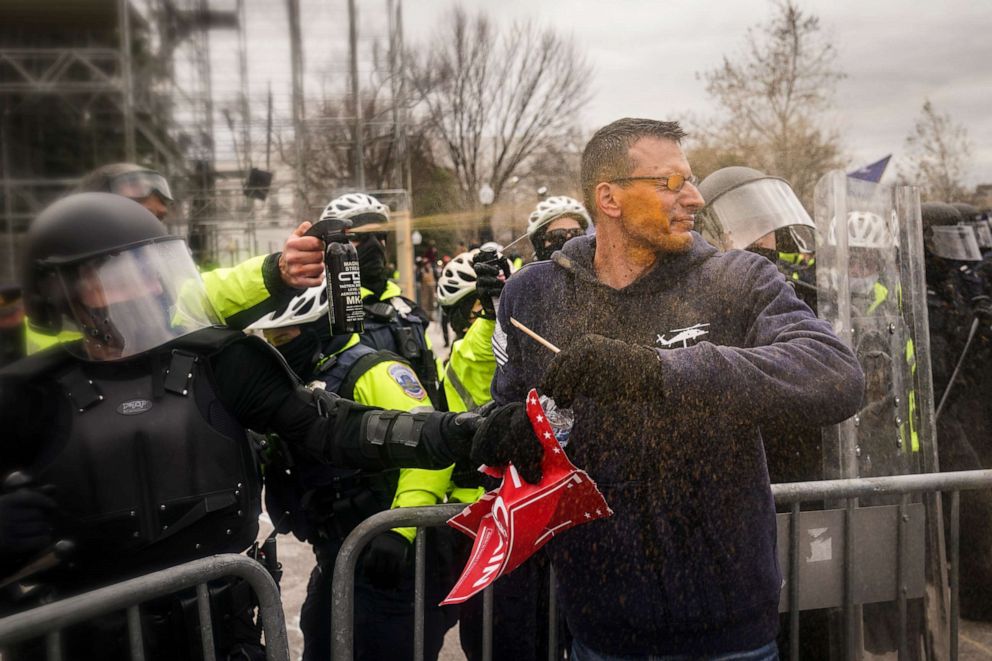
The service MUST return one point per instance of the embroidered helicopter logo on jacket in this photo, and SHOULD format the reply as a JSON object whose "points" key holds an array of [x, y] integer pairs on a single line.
{"points": [[683, 335]]}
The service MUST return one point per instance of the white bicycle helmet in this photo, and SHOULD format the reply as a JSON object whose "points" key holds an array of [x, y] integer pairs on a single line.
{"points": [[556, 207], [457, 279], [357, 207], [492, 245], [309, 306], [865, 230]]}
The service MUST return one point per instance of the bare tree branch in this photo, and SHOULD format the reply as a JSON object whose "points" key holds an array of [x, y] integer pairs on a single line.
{"points": [[492, 99], [938, 150], [772, 99]]}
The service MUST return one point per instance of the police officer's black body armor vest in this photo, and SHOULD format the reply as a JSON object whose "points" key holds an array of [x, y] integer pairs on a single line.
{"points": [[399, 325], [152, 469]]}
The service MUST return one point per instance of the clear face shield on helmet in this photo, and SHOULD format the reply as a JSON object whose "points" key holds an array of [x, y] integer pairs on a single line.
{"points": [[957, 242], [982, 234], [745, 214], [141, 184], [130, 301]]}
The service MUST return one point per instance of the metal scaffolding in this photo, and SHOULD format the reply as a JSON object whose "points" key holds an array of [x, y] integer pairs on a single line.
{"points": [[98, 81], [165, 83]]}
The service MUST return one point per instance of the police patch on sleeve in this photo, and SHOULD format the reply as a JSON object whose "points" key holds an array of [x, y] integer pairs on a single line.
{"points": [[404, 376]]}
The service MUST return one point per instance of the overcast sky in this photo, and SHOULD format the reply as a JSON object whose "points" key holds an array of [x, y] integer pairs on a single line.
{"points": [[646, 56]]}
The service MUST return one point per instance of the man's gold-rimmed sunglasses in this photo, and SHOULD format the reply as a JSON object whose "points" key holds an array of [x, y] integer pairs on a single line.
{"points": [[673, 182]]}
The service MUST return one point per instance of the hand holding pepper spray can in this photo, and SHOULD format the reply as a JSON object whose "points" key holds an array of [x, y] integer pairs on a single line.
{"points": [[344, 284]]}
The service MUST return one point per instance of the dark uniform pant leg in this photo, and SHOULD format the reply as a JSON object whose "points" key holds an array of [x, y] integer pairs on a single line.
{"points": [[383, 618]]}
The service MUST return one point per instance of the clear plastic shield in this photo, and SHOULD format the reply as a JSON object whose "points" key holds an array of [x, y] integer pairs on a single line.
{"points": [[957, 242], [982, 234], [870, 288]]}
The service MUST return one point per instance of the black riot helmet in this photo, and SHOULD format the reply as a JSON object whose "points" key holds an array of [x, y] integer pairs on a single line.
{"points": [[104, 266], [969, 212], [743, 205], [945, 236]]}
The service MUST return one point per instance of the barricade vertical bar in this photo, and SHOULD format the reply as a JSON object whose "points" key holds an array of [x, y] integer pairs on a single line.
{"points": [[53, 646], [955, 576], [134, 636], [419, 583], [487, 624], [901, 525], [206, 625], [552, 616], [794, 582], [849, 628]]}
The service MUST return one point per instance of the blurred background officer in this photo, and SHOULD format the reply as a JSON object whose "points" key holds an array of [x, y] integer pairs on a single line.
{"points": [[143, 459], [556, 220], [322, 503], [960, 316]]}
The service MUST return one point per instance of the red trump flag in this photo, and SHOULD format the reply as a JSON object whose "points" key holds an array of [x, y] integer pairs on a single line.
{"points": [[513, 521]]}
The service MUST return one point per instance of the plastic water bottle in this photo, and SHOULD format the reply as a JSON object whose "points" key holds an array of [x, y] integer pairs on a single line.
{"points": [[561, 419]]}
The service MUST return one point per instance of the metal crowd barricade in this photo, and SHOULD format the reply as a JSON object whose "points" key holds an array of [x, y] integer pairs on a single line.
{"points": [[907, 519], [49, 620]]}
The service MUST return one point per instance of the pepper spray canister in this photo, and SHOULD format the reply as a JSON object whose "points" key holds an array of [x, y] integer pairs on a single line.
{"points": [[345, 310]]}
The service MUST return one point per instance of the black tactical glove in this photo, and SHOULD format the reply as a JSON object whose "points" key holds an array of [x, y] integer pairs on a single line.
{"points": [[603, 369], [981, 306], [25, 521], [448, 436], [506, 436], [386, 560], [491, 272]]}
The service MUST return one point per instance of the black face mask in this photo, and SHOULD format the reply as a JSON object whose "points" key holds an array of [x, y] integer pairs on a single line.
{"points": [[461, 315], [553, 240], [372, 264], [301, 352], [768, 253]]}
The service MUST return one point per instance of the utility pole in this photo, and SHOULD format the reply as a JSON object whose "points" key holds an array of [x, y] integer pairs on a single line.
{"points": [[124, 27], [268, 133], [355, 99], [299, 139], [402, 217], [406, 109], [243, 75]]}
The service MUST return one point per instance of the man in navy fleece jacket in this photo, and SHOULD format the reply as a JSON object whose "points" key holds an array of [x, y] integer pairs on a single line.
{"points": [[673, 355]]}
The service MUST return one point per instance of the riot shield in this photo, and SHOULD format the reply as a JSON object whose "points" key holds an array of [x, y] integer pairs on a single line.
{"points": [[870, 288]]}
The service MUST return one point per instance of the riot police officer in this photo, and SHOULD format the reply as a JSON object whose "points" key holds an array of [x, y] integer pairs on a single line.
{"points": [[240, 294], [747, 209], [135, 433], [959, 317]]}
